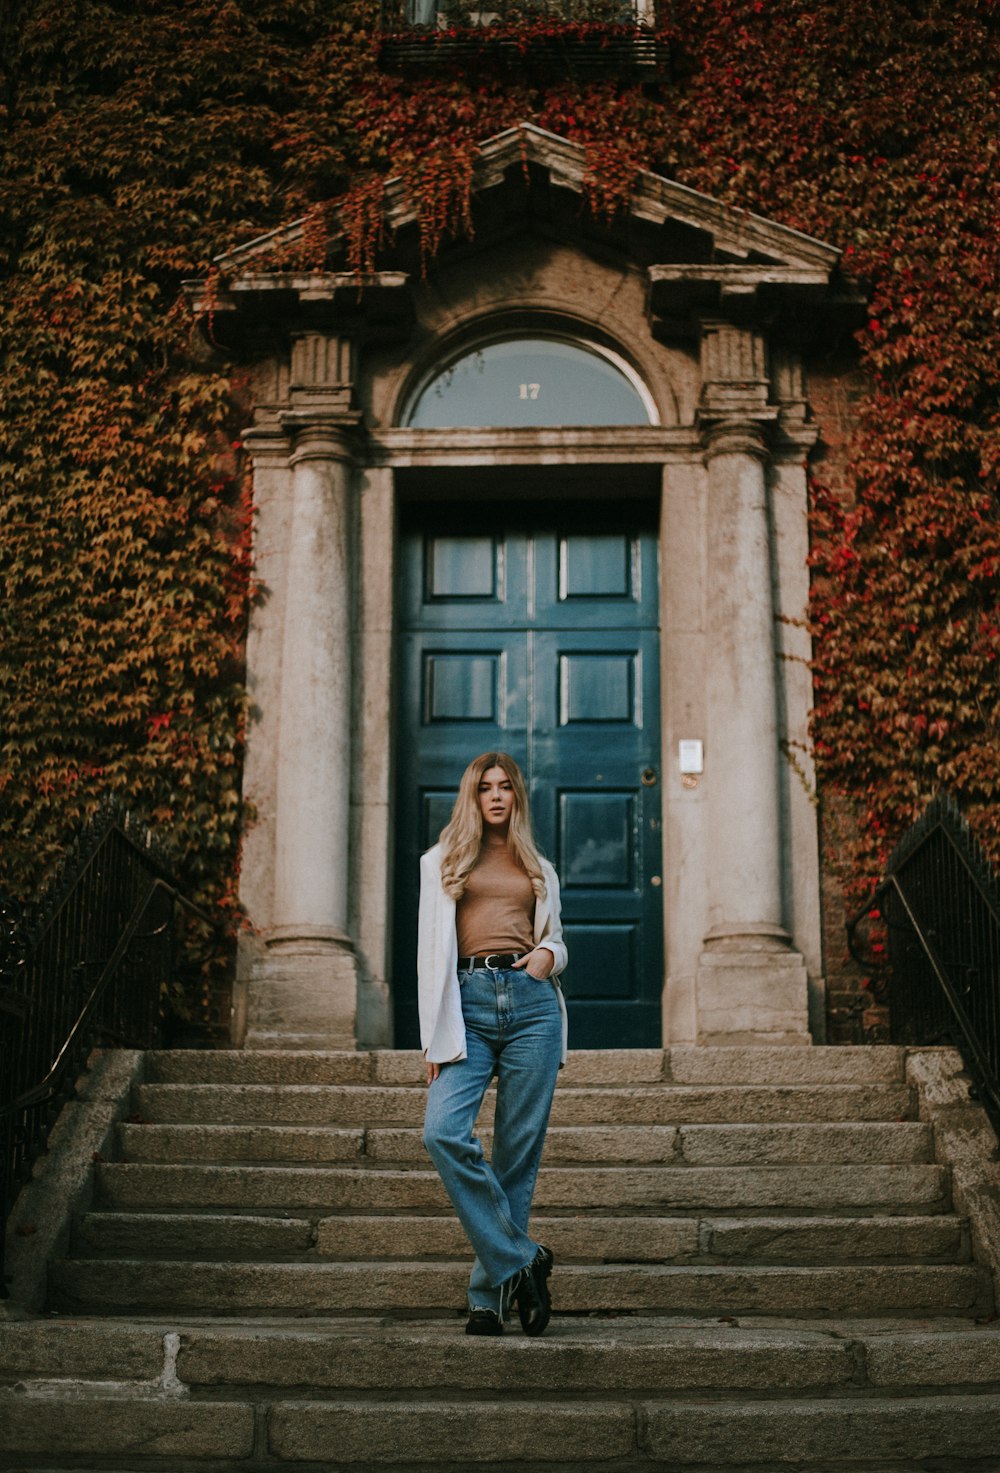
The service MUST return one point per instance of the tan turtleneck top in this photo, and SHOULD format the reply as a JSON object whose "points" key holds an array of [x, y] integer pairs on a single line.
{"points": [[497, 911]]}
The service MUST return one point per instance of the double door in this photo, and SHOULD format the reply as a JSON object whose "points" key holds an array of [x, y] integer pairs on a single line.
{"points": [[532, 628]]}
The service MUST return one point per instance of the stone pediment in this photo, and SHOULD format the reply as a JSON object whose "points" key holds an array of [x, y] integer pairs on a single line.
{"points": [[701, 256]]}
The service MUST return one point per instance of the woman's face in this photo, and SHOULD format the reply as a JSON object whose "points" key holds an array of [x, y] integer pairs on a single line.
{"points": [[496, 800]]}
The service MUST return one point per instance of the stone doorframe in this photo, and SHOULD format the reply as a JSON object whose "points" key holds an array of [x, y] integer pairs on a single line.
{"points": [[717, 339]]}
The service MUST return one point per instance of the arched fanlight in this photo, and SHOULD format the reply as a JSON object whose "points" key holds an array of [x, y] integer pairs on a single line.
{"points": [[531, 381]]}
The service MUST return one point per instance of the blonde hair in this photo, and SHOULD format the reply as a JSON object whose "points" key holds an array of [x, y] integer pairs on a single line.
{"points": [[462, 837]]}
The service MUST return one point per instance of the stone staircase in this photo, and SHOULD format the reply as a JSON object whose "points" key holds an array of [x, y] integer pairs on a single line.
{"points": [[757, 1266]]}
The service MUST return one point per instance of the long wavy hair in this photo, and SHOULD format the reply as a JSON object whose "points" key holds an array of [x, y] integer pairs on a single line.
{"points": [[462, 836]]}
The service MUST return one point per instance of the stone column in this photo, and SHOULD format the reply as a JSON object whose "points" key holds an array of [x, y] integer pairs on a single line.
{"points": [[751, 985], [306, 992]]}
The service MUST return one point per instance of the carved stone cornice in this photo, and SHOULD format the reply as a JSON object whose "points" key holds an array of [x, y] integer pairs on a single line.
{"points": [[243, 308], [803, 302]]}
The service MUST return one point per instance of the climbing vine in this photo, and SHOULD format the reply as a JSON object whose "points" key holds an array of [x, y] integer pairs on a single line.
{"points": [[139, 140]]}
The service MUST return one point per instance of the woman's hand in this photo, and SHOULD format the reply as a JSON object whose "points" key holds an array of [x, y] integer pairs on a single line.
{"points": [[433, 1070], [537, 963]]}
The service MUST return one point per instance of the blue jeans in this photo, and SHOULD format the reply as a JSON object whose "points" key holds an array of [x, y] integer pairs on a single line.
{"points": [[513, 1028]]}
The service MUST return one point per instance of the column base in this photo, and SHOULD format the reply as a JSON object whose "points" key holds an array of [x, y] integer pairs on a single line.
{"points": [[750, 996], [303, 995]]}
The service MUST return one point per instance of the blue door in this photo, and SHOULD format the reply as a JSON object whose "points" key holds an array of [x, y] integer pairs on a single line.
{"points": [[532, 628]]}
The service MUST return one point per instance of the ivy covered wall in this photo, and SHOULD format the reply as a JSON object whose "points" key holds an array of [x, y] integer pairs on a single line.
{"points": [[137, 140]]}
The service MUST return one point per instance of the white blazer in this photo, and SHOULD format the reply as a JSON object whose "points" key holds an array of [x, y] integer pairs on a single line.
{"points": [[442, 1028]]}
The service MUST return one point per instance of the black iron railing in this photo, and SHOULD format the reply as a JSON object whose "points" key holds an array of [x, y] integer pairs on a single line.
{"points": [[88, 967], [933, 943], [575, 35]]}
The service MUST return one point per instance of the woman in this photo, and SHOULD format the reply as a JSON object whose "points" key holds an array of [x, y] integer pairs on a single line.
{"points": [[489, 950]]}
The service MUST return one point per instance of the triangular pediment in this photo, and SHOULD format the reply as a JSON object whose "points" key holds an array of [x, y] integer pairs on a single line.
{"points": [[700, 256], [710, 231]]}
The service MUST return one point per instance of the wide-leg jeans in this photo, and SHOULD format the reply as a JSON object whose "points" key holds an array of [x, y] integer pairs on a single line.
{"points": [[513, 1029]]}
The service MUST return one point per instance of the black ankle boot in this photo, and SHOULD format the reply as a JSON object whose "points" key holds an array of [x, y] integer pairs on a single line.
{"points": [[529, 1290], [483, 1322]]}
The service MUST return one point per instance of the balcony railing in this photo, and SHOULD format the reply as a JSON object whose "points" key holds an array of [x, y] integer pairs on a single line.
{"points": [[570, 35]]}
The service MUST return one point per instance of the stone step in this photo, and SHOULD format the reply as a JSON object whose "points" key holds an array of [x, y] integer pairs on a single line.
{"points": [[588, 1239], [561, 1437], [636, 1354], [76, 1423], [383, 1105], [695, 1145], [730, 1434], [348, 1189], [153, 1286], [819, 1065]]}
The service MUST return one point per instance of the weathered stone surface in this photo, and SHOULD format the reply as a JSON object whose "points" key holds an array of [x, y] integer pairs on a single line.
{"points": [[239, 1143], [617, 1067], [192, 1235], [619, 1143], [791, 1239], [258, 1066], [966, 1140], [588, 1238], [711, 1104], [260, 1104], [107, 1351], [762, 1065], [398, 1066], [112, 1426], [843, 1143], [972, 1358], [446, 1434], [861, 1432], [40, 1221], [627, 1356], [384, 1105], [348, 1188], [259, 1187], [160, 1286], [696, 1187], [329, 1188]]}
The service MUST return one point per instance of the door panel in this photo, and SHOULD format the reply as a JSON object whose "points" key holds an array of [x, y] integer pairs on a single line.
{"points": [[540, 639]]}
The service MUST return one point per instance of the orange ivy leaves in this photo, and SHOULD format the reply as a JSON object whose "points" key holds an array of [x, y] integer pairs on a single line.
{"points": [[137, 142]]}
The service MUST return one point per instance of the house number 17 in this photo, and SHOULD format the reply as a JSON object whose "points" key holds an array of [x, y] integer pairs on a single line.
{"points": [[530, 391]]}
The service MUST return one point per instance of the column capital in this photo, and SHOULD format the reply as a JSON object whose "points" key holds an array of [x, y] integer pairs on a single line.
{"points": [[737, 436], [316, 434]]}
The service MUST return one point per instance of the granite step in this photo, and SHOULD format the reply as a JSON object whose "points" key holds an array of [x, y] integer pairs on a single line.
{"points": [[959, 1431], [635, 1355], [616, 1067], [842, 1143], [592, 1239], [865, 1189], [370, 1106], [155, 1286]]}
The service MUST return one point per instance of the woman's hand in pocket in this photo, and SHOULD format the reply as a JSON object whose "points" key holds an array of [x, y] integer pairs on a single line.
{"points": [[537, 963]]}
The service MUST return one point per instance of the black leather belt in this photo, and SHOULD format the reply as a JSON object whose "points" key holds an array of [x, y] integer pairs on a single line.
{"points": [[495, 960]]}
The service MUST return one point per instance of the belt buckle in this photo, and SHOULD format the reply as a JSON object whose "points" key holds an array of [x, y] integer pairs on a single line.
{"points": [[491, 960]]}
